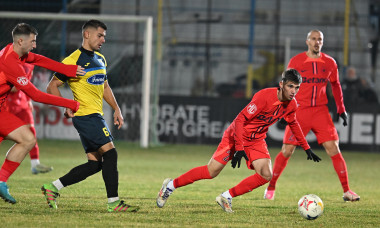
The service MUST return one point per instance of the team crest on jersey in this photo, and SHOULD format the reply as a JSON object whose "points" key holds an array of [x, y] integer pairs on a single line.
{"points": [[97, 79], [251, 108], [22, 81]]}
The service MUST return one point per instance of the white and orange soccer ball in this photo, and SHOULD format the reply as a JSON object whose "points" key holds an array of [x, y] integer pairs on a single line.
{"points": [[310, 206]]}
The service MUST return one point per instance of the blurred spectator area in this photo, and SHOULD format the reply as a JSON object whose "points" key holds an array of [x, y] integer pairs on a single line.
{"points": [[357, 90], [205, 43]]}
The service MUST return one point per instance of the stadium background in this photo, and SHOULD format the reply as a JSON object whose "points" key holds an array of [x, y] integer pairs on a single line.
{"points": [[202, 59]]}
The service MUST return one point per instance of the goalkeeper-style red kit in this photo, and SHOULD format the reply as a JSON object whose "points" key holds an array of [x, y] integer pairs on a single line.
{"points": [[12, 74], [313, 113], [248, 131]]}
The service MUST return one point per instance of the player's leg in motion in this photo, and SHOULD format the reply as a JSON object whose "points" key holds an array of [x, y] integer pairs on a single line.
{"points": [[216, 164], [279, 165], [198, 173], [75, 175], [262, 176], [111, 180], [34, 154], [24, 142], [332, 149]]}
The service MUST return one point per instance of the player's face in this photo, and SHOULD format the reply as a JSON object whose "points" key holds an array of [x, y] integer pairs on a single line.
{"points": [[288, 90], [28, 43], [315, 42], [97, 37]]}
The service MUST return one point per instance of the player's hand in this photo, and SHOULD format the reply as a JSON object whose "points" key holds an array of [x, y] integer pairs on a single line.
{"points": [[343, 115], [80, 71], [237, 158], [69, 113], [312, 156], [118, 119]]}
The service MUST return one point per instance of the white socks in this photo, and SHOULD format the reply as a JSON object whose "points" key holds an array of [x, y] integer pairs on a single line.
{"points": [[34, 162], [227, 194], [170, 186], [58, 184], [113, 199]]}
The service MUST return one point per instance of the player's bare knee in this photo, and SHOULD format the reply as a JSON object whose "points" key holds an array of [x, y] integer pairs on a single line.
{"points": [[331, 147], [30, 143], [214, 173], [287, 153], [267, 175], [214, 168], [287, 150]]}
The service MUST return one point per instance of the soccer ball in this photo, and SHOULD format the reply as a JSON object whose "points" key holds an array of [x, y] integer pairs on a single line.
{"points": [[310, 206]]}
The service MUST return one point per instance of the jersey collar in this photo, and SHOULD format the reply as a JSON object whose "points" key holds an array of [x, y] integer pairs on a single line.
{"points": [[90, 53]]}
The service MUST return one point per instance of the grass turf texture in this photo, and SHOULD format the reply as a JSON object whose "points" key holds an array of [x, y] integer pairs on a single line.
{"points": [[141, 172]]}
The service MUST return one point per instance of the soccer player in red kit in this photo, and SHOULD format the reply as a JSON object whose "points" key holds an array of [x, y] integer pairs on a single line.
{"points": [[245, 137], [12, 73], [316, 69], [21, 105]]}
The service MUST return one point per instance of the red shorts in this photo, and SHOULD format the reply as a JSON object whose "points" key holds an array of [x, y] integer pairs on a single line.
{"points": [[8, 123], [226, 149], [25, 115], [316, 119]]}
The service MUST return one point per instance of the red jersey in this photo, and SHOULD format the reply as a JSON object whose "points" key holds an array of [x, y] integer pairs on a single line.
{"points": [[17, 101], [12, 74], [315, 75], [252, 123]]}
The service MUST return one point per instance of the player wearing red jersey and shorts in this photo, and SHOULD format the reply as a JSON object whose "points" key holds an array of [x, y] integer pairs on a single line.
{"points": [[21, 105], [316, 69], [245, 137], [12, 74]]}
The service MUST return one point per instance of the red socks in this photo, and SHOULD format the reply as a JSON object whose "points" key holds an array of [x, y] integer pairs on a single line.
{"points": [[34, 153], [7, 169], [341, 169], [279, 166], [247, 185], [198, 173]]}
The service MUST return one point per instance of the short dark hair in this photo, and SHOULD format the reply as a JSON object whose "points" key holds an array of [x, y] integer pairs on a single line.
{"points": [[23, 29], [291, 75], [94, 24]]}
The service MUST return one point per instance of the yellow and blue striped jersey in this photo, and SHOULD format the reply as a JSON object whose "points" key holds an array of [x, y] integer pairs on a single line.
{"points": [[88, 89]]}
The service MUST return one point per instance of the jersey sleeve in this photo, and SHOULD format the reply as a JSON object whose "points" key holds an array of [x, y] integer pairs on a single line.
{"points": [[296, 129], [22, 83], [248, 113], [336, 88], [42, 61], [62, 77]]}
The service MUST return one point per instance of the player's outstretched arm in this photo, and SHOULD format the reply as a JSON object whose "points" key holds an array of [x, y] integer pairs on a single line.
{"points": [[53, 88], [45, 98], [45, 62]]}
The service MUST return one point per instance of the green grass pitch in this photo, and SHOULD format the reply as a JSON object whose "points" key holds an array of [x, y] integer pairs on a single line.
{"points": [[141, 172]]}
